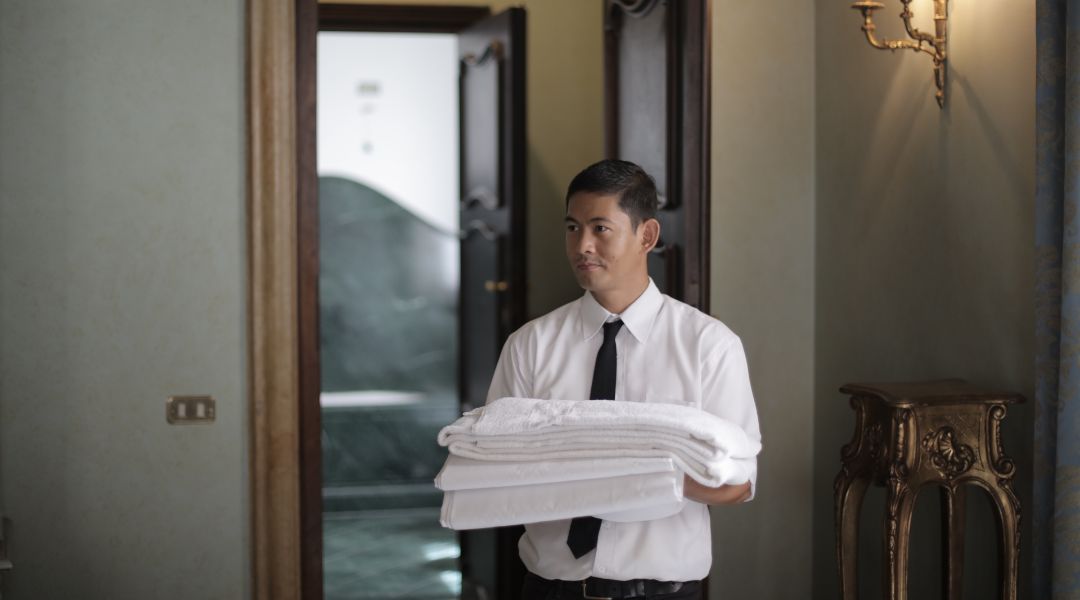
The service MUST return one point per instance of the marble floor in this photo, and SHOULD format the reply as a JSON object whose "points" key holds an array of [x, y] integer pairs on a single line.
{"points": [[389, 555]]}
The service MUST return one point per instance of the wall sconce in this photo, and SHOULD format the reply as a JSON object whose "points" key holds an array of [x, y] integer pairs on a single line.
{"points": [[934, 45]]}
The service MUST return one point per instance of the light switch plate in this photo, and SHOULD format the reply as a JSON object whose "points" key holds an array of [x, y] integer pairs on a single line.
{"points": [[183, 410]]}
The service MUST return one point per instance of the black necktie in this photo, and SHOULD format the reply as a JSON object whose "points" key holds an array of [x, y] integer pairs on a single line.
{"points": [[585, 530]]}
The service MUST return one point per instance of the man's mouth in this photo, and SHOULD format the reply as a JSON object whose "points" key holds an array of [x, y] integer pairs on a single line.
{"points": [[588, 266]]}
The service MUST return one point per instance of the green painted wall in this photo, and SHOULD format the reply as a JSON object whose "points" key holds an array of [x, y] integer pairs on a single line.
{"points": [[763, 281], [122, 281]]}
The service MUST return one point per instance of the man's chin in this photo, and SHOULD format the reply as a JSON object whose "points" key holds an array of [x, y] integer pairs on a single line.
{"points": [[588, 281]]}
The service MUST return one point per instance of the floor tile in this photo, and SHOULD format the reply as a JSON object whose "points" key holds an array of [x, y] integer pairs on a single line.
{"points": [[389, 555]]}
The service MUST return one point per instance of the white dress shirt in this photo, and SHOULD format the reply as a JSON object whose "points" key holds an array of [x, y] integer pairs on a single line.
{"points": [[668, 352]]}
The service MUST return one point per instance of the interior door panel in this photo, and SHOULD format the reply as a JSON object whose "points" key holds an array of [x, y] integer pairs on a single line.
{"points": [[492, 75]]}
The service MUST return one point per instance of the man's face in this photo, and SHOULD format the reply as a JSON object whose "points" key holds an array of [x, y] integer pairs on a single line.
{"points": [[603, 248]]}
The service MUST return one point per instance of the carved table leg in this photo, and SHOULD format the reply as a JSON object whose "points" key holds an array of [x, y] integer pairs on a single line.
{"points": [[849, 493], [899, 505], [999, 484], [1009, 528], [952, 512]]}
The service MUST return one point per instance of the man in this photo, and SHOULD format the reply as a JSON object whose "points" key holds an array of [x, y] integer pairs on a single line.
{"points": [[625, 339]]}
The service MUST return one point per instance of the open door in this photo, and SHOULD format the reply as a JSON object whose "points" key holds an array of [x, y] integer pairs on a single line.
{"points": [[656, 109], [492, 87]]}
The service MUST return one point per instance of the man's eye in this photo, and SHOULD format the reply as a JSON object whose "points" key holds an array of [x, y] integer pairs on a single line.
{"points": [[571, 228], [601, 228]]}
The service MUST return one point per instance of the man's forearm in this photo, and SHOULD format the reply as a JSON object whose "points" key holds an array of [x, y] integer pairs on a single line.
{"points": [[725, 494]]}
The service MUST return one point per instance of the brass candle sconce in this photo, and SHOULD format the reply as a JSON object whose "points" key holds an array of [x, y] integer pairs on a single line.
{"points": [[934, 45]]}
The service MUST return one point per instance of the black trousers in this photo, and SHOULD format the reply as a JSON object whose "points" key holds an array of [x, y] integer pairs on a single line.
{"points": [[538, 588]]}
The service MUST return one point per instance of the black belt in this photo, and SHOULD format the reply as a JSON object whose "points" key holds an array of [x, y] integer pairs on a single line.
{"points": [[595, 588]]}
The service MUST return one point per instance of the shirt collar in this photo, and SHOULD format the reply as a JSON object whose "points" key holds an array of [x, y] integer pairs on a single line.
{"points": [[638, 318]]}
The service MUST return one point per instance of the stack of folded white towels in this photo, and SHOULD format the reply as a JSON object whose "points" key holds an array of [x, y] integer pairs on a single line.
{"points": [[521, 460]]}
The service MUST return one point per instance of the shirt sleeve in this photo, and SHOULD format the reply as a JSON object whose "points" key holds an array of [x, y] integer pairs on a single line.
{"points": [[726, 393], [511, 377]]}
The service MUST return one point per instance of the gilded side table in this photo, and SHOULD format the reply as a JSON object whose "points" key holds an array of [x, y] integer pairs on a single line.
{"points": [[909, 436]]}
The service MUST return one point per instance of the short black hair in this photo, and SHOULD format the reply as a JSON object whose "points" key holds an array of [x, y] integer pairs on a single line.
{"points": [[634, 187]]}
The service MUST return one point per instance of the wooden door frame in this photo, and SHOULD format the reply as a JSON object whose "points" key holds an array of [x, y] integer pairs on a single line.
{"points": [[273, 299], [286, 454], [399, 18]]}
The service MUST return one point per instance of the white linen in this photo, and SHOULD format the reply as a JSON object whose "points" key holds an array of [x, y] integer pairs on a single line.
{"points": [[704, 446], [667, 353], [460, 473], [641, 496], [524, 415]]}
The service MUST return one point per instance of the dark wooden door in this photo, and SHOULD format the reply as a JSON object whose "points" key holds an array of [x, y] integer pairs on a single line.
{"points": [[656, 71], [492, 86]]}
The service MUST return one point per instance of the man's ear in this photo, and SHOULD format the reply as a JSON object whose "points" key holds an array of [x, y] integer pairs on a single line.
{"points": [[650, 234]]}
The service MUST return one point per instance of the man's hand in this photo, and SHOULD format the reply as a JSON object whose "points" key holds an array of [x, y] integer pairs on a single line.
{"points": [[725, 494]]}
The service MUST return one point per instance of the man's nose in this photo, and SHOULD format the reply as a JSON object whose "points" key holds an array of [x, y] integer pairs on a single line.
{"points": [[585, 244]]}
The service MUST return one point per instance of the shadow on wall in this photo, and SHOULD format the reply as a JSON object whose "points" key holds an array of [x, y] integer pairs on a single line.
{"points": [[551, 283]]}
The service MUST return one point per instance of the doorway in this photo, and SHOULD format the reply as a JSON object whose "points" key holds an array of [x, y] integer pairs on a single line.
{"points": [[387, 161], [415, 234], [281, 564]]}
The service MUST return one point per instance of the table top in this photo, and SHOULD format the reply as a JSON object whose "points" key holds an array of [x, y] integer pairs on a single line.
{"points": [[942, 391]]}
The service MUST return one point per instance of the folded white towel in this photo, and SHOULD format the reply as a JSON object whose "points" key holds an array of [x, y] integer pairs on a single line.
{"points": [[694, 450], [460, 473], [706, 447], [713, 473], [625, 498], [528, 415]]}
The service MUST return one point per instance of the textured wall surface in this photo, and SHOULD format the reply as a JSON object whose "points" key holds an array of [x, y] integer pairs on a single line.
{"points": [[763, 282], [925, 251], [121, 283]]}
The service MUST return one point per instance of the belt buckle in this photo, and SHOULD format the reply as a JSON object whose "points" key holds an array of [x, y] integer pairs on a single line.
{"points": [[586, 596]]}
